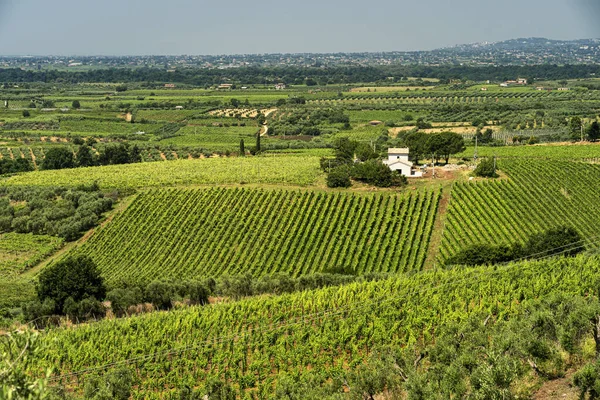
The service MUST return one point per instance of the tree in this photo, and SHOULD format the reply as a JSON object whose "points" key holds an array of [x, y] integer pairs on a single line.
{"points": [[84, 156], [593, 133], [417, 143], [26, 114], [575, 125], [76, 105], [339, 177], [235, 103], [445, 144], [58, 158], [76, 277], [242, 148], [486, 169], [563, 240]]}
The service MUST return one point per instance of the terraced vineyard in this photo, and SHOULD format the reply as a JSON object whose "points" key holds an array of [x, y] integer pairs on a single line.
{"points": [[313, 336], [196, 233], [21, 251], [539, 196]]}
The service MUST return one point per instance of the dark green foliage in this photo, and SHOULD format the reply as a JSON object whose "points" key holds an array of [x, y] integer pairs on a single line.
{"points": [[417, 143], [86, 309], [375, 173], [481, 254], [121, 153], [115, 384], [58, 158], [444, 145], [242, 148], [8, 166], [84, 156], [76, 104], [587, 380], [560, 240], [122, 299], [593, 133], [26, 114], [486, 168], [74, 277], [160, 294], [339, 177], [52, 210]]}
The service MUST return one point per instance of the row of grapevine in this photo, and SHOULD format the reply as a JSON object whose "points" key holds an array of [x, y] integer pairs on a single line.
{"points": [[209, 232], [315, 335], [540, 195]]}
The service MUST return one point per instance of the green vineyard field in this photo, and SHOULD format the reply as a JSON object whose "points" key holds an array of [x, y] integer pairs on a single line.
{"points": [[195, 233], [311, 336], [538, 196], [291, 170]]}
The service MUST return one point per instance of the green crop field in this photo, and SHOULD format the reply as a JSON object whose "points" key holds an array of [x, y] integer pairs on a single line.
{"points": [[539, 195], [273, 169], [313, 336], [18, 252], [195, 233]]}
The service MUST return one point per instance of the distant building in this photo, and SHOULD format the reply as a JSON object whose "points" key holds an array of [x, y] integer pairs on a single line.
{"points": [[518, 82], [225, 86], [280, 86], [484, 89], [375, 123], [398, 161], [169, 85], [179, 107], [563, 89]]}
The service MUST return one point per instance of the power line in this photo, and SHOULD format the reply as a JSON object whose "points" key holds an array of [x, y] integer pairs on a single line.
{"points": [[322, 314]]}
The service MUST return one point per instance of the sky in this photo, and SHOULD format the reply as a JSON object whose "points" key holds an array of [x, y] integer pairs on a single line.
{"points": [[153, 27]]}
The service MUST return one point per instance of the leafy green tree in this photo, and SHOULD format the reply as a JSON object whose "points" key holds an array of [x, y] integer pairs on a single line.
{"points": [[84, 156], [58, 158], [242, 148], [575, 125], [593, 133], [76, 104], [76, 277], [486, 169], [26, 114], [417, 144], [339, 177], [122, 299]]}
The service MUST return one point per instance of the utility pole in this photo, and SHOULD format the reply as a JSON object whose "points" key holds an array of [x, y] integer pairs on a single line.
{"points": [[475, 155], [494, 164], [582, 130]]}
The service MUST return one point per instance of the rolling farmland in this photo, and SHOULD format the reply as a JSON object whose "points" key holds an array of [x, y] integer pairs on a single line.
{"points": [[195, 233]]}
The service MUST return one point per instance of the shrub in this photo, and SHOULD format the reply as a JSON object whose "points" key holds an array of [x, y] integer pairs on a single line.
{"points": [[339, 177], [486, 169]]}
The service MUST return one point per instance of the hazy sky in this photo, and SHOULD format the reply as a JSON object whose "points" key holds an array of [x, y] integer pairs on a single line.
{"points": [[119, 27]]}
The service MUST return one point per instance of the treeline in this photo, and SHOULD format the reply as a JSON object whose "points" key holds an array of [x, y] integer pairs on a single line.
{"points": [[54, 211], [85, 156], [559, 240], [73, 287], [300, 75]]}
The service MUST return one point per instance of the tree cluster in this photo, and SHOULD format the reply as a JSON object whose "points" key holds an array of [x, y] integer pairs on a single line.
{"points": [[54, 211], [434, 145], [63, 157], [561, 240], [8, 166]]}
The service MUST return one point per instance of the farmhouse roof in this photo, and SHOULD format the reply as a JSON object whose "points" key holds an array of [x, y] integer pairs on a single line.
{"points": [[403, 162], [398, 150]]}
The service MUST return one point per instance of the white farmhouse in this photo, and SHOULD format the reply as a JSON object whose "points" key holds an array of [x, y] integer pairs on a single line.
{"points": [[398, 161]]}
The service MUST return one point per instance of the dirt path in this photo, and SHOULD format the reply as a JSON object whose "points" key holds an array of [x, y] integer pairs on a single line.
{"points": [[438, 229], [558, 389]]}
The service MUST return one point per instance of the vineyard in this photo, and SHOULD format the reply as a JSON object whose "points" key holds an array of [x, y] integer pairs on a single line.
{"points": [[312, 336], [294, 170], [540, 195], [196, 233], [19, 252]]}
